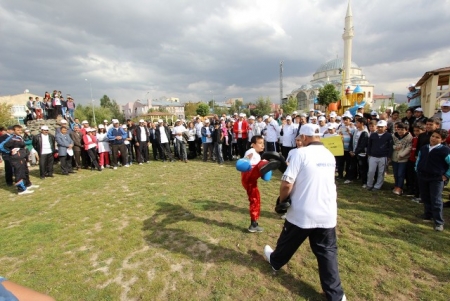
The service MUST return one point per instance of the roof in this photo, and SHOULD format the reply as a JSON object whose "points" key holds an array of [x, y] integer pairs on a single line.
{"points": [[443, 80], [334, 64], [18, 99]]}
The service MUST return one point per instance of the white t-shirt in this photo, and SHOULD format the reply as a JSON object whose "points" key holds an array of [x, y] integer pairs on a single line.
{"points": [[255, 158], [239, 129], [164, 138], [314, 194], [272, 131], [179, 130], [46, 147], [289, 132], [445, 121], [143, 137]]}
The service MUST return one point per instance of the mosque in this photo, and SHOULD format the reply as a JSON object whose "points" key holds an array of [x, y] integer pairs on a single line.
{"points": [[341, 72]]}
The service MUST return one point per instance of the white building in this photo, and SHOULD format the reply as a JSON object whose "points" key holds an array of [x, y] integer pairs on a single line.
{"points": [[138, 108], [341, 72], [18, 104]]}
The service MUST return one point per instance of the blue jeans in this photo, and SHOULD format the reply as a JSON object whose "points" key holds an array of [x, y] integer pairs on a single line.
{"points": [[218, 152], [431, 195], [399, 173]]}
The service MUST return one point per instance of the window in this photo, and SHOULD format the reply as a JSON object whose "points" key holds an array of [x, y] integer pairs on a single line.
{"points": [[370, 94]]}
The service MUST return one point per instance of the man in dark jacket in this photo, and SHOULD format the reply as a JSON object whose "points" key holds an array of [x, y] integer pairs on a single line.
{"points": [[15, 147], [5, 134], [379, 150], [431, 125], [156, 147], [358, 148], [141, 139], [77, 138], [44, 144], [163, 136], [117, 136]]}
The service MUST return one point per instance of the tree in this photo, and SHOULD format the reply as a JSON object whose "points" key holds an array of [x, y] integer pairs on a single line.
{"points": [[236, 107], [5, 115], [105, 102], [262, 106], [328, 94], [190, 109], [113, 106], [290, 105], [202, 110], [402, 109]]}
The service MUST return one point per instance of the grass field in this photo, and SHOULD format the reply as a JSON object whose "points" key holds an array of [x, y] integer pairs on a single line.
{"points": [[176, 231]]}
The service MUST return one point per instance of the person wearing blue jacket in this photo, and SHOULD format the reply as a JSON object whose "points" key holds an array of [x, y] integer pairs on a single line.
{"points": [[65, 151], [433, 172], [117, 137]]}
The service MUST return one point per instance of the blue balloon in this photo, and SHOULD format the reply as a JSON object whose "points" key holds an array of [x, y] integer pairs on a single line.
{"points": [[243, 165], [267, 176]]}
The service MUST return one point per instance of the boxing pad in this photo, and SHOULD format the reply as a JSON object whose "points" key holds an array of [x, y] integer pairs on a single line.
{"points": [[282, 207], [269, 166], [243, 165], [274, 156], [267, 176]]}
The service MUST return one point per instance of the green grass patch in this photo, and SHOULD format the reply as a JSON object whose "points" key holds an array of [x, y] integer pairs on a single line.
{"points": [[177, 231]]}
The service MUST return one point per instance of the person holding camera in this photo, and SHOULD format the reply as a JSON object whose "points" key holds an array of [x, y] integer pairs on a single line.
{"points": [[309, 184]]}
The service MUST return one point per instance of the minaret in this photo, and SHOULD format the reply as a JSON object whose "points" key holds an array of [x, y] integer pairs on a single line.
{"points": [[348, 37]]}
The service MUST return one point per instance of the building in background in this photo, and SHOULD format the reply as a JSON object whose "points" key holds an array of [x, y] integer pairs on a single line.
{"points": [[18, 104], [340, 72], [138, 108]]}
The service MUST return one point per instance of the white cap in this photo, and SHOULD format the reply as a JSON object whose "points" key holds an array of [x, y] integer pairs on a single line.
{"points": [[321, 118], [310, 129], [360, 107], [84, 121], [242, 115], [175, 120], [313, 117], [311, 110], [411, 86], [382, 123], [63, 121], [235, 113], [333, 114], [302, 115], [90, 130], [27, 130], [418, 110], [101, 126], [319, 113], [265, 117], [141, 120], [295, 112], [288, 117], [359, 114], [44, 127], [115, 121], [446, 104], [160, 121], [331, 126], [252, 117], [206, 121], [338, 117], [124, 126], [105, 120], [373, 113]]}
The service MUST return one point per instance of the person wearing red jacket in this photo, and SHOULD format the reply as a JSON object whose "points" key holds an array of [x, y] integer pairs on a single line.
{"points": [[90, 145], [240, 130]]}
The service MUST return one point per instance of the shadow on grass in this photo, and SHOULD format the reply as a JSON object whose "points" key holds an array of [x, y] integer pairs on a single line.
{"points": [[159, 230]]}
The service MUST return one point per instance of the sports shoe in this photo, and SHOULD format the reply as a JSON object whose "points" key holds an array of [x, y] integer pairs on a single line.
{"points": [[364, 186], [25, 192], [254, 227], [369, 188], [439, 228], [33, 186], [397, 191], [347, 182], [417, 200], [139, 164], [127, 165], [115, 167], [267, 251]]}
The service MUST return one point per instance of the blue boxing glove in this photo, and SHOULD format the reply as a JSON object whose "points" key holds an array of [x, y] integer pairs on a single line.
{"points": [[267, 176], [243, 165]]}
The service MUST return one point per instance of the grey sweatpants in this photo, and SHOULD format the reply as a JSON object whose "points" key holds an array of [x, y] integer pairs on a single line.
{"points": [[374, 162]]}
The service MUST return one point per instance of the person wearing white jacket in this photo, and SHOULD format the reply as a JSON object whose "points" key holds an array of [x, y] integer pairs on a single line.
{"points": [[271, 133], [103, 147], [288, 133]]}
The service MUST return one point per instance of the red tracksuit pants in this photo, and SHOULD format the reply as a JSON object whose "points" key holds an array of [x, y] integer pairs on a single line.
{"points": [[249, 181]]}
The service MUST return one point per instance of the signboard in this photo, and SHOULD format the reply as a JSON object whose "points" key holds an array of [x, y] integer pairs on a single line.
{"points": [[334, 145]]}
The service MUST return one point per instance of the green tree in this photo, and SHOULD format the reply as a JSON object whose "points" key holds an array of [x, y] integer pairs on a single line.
{"points": [[190, 109], [328, 94], [262, 106], [113, 106], [290, 105], [105, 101], [202, 110], [402, 109], [236, 107], [382, 108], [5, 115]]}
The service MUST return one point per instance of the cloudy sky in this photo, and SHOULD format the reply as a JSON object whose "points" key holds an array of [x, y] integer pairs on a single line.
{"points": [[196, 50]]}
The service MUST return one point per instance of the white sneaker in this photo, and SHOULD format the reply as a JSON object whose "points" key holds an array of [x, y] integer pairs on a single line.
{"points": [[141, 164], [115, 167], [25, 192], [364, 186], [33, 187], [344, 298], [102, 167], [107, 166], [347, 182], [267, 251], [127, 165], [283, 216]]}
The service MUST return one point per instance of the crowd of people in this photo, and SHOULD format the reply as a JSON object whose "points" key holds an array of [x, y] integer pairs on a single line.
{"points": [[49, 107]]}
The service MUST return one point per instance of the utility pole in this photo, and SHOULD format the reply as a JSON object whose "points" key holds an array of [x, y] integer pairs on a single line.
{"points": [[281, 82]]}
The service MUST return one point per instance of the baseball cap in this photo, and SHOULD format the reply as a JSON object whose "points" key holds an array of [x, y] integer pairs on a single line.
{"points": [[44, 128], [373, 113], [411, 86], [242, 115], [124, 126], [302, 115], [252, 117], [446, 104], [331, 126], [333, 114], [160, 121], [418, 110], [101, 126], [321, 118], [105, 120], [382, 123], [115, 121], [63, 121], [310, 129], [288, 117], [360, 107], [295, 112], [360, 114], [311, 110], [265, 117], [84, 121], [206, 121], [313, 117]]}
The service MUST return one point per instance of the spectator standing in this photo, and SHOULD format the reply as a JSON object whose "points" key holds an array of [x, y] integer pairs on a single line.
{"points": [[241, 132], [44, 144], [65, 150], [117, 136], [402, 144], [207, 133], [103, 147], [413, 97], [77, 138]]}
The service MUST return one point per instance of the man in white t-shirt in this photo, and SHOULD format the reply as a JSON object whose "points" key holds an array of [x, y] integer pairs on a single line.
{"points": [[271, 133], [444, 115], [309, 182], [178, 131], [288, 133], [44, 144]]}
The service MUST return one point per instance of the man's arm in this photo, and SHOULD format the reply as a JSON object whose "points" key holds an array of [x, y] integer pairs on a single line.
{"points": [[285, 190]]}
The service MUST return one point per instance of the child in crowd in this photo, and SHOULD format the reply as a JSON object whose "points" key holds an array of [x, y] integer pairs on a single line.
{"points": [[249, 180], [402, 143], [358, 148], [298, 144], [411, 176], [433, 171]]}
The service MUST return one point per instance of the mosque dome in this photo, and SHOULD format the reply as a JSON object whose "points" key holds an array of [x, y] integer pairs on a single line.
{"points": [[334, 64]]}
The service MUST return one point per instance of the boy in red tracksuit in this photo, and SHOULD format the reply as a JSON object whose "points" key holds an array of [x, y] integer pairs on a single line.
{"points": [[249, 180], [411, 176]]}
